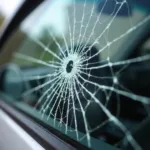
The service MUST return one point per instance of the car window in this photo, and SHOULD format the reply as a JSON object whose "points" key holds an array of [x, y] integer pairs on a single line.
{"points": [[60, 69]]}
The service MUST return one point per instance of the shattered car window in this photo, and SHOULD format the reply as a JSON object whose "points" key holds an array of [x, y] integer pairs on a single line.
{"points": [[65, 68]]}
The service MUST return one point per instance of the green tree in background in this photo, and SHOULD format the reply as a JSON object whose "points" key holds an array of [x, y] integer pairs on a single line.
{"points": [[2, 18], [34, 50]]}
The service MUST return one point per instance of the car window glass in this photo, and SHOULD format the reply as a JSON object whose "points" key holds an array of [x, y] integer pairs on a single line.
{"points": [[61, 69]]}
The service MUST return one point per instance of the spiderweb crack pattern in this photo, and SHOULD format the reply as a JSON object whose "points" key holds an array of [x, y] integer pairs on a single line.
{"points": [[67, 94]]}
